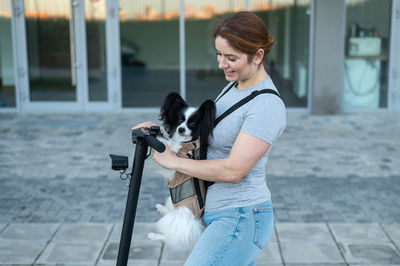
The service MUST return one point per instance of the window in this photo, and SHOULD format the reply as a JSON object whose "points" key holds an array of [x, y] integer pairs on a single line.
{"points": [[288, 22], [149, 33], [204, 80]]}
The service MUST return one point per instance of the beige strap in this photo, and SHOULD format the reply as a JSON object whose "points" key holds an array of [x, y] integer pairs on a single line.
{"points": [[188, 146]]}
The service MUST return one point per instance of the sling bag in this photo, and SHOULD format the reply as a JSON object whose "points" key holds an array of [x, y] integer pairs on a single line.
{"points": [[189, 191], [185, 190]]}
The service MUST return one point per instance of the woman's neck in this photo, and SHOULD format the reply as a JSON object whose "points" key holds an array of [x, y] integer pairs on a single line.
{"points": [[260, 75]]}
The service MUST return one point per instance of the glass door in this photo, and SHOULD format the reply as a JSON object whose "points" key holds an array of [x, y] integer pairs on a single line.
{"points": [[66, 58]]}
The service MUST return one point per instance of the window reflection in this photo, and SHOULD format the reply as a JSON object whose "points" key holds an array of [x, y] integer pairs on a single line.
{"points": [[7, 81], [203, 78], [51, 46], [288, 23], [149, 33], [95, 15]]}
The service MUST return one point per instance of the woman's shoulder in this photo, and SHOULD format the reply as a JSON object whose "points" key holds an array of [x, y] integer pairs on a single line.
{"points": [[268, 100]]}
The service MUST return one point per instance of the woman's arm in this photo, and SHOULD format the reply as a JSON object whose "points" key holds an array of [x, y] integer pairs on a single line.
{"points": [[245, 153]]}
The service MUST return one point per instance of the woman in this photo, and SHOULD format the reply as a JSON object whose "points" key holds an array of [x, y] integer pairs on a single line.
{"points": [[238, 212]]}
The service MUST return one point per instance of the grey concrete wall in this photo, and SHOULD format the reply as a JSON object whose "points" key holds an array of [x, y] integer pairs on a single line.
{"points": [[328, 56]]}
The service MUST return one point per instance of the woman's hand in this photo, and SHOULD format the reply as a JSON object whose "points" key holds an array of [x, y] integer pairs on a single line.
{"points": [[166, 159], [145, 124]]}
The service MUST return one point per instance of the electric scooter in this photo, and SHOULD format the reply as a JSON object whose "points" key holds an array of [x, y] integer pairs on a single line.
{"points": [[143, 138]]}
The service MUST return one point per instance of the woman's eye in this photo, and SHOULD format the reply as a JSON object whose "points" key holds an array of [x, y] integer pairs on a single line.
{"points": [[232, 59]]}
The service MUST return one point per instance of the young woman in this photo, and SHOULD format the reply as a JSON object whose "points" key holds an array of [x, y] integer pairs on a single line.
{"points": [[238, 212]]}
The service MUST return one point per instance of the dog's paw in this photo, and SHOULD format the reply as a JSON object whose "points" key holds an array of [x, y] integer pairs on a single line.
{"points": [[154, 236], [161, 209]]}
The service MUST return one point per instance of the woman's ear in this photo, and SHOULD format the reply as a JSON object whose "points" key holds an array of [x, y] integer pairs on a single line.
{"points": [[258, 58]]}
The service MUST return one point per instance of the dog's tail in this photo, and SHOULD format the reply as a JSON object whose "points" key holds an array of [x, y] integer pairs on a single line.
{"points": [[181, 229]]}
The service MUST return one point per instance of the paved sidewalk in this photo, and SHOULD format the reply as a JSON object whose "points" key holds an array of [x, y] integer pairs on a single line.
{"points": [[291, 244], [335, 183], [300, 199]]}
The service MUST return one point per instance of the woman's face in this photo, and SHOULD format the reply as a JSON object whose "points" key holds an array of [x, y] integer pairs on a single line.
{"points": [[234, 63]]}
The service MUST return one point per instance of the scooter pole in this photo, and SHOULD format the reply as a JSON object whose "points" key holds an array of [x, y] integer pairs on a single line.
{"points": [[143, 140]]}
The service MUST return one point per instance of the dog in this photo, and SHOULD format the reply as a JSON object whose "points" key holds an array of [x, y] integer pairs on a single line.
{"points": [[179, 228]]}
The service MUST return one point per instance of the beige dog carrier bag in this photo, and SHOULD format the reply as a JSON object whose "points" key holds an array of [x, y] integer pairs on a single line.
{"points": [[188, 191]]}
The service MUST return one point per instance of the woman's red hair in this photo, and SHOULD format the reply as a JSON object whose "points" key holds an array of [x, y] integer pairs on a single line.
{"points": [[245, 32]]}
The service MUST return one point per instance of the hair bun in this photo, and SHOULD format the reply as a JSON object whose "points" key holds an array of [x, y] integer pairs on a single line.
{"points": [[269, 44]]}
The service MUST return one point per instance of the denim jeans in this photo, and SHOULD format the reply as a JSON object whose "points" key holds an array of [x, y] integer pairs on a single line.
{"points": [[233, 236]]}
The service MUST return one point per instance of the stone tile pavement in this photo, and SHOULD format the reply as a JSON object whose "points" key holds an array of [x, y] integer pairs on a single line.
{"points": [[77, 145], [291, 244], [306, 199], [334, 182]]}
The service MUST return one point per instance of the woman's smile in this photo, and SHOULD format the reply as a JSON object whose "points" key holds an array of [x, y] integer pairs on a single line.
{"points": [[229, 73]]}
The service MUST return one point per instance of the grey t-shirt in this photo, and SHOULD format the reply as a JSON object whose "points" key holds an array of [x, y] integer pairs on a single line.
{"points": [[263, 117]]}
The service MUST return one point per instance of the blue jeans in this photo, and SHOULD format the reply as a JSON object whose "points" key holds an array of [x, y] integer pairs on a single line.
{"points": [[233, 236]]}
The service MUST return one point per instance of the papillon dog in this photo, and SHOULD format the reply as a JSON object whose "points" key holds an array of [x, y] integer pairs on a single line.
{"points": [[179, 228]]}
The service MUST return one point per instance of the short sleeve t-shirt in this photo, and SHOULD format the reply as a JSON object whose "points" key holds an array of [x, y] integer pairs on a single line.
{"points": [[263, 117]]}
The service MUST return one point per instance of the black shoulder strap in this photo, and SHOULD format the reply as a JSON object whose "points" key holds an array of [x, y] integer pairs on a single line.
{"points": [[242, 102], [230, 87]]}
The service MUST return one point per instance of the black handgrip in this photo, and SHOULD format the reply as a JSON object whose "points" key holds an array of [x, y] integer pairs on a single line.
{"points": [[149, 138], [154, 143]]}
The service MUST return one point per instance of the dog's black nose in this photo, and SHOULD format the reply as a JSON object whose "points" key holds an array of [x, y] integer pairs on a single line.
{"points": [[181, 130]]}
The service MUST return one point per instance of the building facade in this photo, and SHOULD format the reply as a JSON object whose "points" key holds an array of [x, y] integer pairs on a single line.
{"points": [[330, 56]]}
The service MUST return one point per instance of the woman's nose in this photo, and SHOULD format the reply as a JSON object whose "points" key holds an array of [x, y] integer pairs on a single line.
{"points": [[222, 64]]}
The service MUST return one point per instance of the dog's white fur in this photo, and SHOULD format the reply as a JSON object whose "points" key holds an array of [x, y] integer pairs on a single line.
{"points": [[178, 227]]}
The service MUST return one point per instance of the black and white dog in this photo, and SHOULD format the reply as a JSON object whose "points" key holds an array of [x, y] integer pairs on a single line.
{"points": [[178, 227], [182, 123]]}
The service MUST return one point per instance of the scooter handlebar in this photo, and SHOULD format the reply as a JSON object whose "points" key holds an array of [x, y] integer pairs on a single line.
{"points": [[152, 141]]}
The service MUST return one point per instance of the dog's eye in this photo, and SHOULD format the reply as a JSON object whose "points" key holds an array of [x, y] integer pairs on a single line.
{"points": [[192, 124]]}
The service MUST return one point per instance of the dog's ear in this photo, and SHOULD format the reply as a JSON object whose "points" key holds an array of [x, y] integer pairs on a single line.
{"points": [[208, 112], [171, 107]]}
